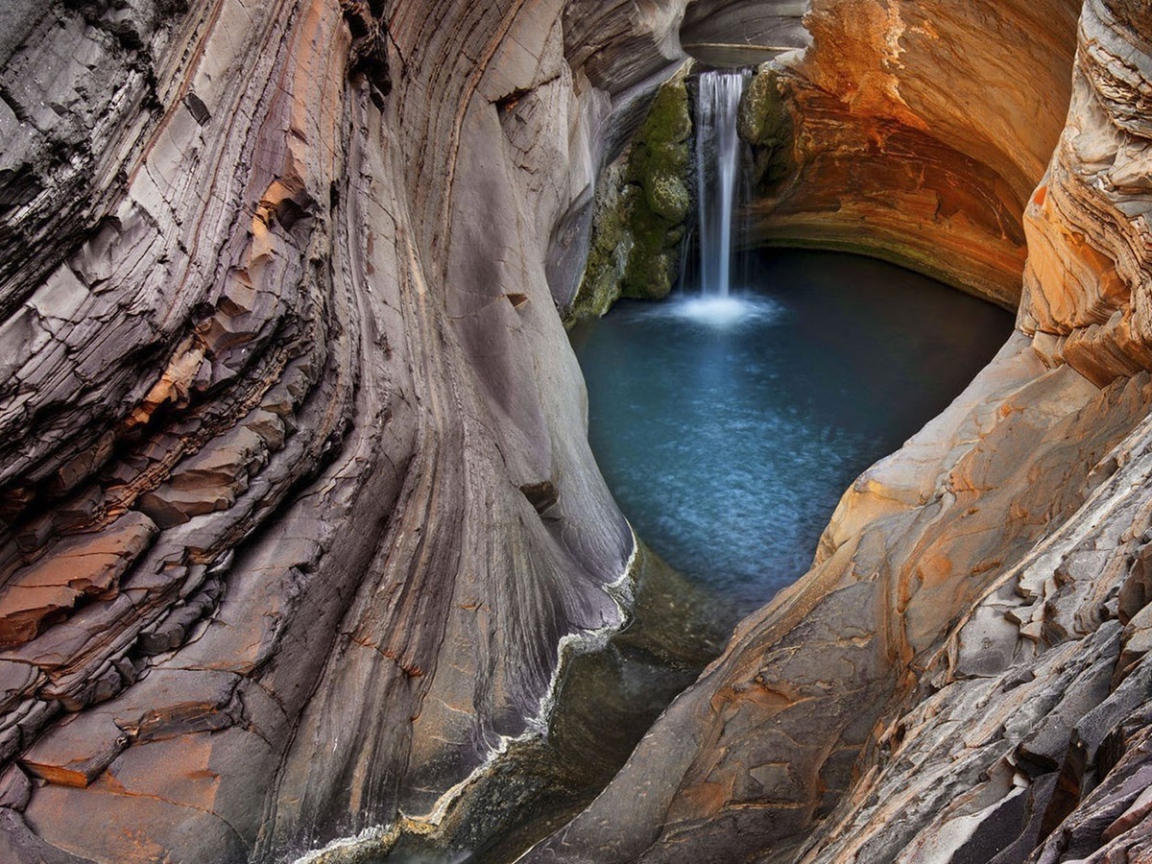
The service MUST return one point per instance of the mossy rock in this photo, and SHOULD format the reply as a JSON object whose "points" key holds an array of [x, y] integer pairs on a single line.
{"points": [[667, 196], [649, 275], [765, 122], [642, 203], [668, 119], [663, 157], [763, 118], [609, 249], [658, 201]]}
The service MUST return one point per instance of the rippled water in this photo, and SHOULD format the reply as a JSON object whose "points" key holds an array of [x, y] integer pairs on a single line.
{"points": [[727, 429]]}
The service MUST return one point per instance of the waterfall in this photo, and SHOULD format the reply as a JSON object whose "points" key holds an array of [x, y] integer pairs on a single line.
{"points": [[717, 157]]}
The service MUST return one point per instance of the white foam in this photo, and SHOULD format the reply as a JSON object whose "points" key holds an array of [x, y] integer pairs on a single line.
{"points": [[582, 641], [721, 312]]}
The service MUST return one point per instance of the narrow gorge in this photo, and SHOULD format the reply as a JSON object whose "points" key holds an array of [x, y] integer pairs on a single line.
{"points": [[305, 554]]}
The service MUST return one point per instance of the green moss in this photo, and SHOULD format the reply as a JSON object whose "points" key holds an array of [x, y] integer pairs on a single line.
{"points": [[642, 203], [765, 122], [667, 196], [647, 273], [668, 118], [763, 118], [607, 253], [658, 158], [659, 202]]}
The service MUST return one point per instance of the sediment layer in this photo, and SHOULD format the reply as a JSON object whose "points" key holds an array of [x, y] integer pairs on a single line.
{"points": [[919, 132], [297, 501]]}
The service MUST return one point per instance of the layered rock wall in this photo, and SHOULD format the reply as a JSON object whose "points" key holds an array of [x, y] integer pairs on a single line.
{"points": [[919, 131], [1086, 292], [297, 505], [297, 502]]}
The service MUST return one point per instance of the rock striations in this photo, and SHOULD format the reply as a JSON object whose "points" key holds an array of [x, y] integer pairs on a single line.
{"points": [[296, 506], [919, 130]]}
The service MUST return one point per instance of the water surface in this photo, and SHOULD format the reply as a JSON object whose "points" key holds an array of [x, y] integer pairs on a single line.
{"points": [[728, 431]]}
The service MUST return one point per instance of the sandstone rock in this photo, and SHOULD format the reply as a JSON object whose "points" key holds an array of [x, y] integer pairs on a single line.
{"points": [[734, 33], [77, 567], [910, 140], [269, 395], [1086, 223]]}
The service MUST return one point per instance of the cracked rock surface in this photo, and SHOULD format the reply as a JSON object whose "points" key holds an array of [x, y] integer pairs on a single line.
{"points": [[296, 504]]}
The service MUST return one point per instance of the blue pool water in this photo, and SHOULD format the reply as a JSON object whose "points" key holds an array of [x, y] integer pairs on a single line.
{"points": [[727, 430]]}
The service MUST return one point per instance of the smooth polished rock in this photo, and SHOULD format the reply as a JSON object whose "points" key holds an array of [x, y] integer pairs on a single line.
{"points": [[921, 129], [276, 287]]}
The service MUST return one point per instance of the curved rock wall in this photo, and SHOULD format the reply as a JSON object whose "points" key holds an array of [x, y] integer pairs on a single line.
{"points": [[297, 502], [297, 506], [1086, 292], [919, 131]]}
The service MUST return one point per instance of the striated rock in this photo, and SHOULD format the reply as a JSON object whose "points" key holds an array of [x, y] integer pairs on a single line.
{"points": [[735, 33], [919, 130], [297, 506], [1046, 721], [78, 567], [1088, 223]]}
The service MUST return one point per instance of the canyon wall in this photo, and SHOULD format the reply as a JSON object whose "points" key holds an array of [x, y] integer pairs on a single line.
{"points": [[915, 132], [297, 506], [963, 675]]}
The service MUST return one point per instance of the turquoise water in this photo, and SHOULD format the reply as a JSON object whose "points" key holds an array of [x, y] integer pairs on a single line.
{"points": [[728, 432]]}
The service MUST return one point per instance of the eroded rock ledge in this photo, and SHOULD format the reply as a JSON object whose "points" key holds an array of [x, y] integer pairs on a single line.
{"points": [[963, 675], [297, 502]]}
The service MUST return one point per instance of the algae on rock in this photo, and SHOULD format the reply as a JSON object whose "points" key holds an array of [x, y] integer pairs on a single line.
{"points": [[609, 250], [763, 121], [642, 205]]}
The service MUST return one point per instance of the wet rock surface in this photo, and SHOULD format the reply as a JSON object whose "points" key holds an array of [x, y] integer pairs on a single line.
{"points": [[296, 506], [642, 204]]}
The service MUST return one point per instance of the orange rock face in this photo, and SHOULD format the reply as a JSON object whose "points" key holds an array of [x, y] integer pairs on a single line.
{"points": [[1086, 298], [920, 131]]}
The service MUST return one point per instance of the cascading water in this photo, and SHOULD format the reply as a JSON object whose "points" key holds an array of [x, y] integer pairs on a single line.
{"points": [[717, 159], [717, 167], [728, 420]]}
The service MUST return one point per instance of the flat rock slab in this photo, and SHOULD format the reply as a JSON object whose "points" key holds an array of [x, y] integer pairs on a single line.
{"points": [[80, 566]]}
